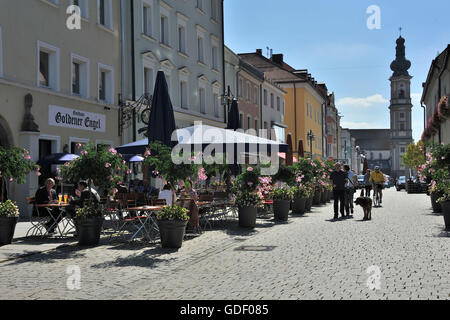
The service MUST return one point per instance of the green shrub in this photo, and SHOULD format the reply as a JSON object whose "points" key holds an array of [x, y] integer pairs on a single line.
{"points": [[173, 213]]}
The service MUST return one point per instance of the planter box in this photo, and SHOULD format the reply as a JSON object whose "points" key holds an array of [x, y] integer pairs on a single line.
{"points": [[89, 230], [323, 197], [309, 203], [281, 209], [446, 213], [317, 197], [247, 217], [7, 228], [437, 208], [299, 206], [172, 233]]}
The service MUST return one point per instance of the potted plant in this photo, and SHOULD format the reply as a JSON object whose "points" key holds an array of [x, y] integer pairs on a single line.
{"points": [[9, 215], [172, 222], [445, 204], [248, 203], [282, 198], [103, 168], [436, 191], [310, 198], [300, 195]]}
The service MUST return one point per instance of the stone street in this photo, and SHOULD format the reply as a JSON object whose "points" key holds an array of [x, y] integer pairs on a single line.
{"points": [[310, 257]]}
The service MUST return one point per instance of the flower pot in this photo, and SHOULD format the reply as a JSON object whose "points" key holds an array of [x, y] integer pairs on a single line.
{"points": [[323, 197], [281, 209], [89, 230], [309, 203], [437, 208], [317, 197], [329, 194], [7, 228], [172, 233], [446, 213], [299, 206], [247, 217]]}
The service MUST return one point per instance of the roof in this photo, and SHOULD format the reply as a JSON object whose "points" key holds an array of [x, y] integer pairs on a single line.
{"points": [[439, 63], [372, 139]]}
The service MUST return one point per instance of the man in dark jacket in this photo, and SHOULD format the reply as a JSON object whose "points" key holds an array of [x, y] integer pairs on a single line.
{"points": [[83, 195], [46, 195], [339, 179]]}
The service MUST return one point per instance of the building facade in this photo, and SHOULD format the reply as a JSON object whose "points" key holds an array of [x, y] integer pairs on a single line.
{"points": [[56, 88], [400, 110], [184, 39], [332, 125], [304, 101], [435, 89]]}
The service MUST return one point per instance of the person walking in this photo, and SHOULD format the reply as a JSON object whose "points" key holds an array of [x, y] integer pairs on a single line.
{"points": [[367, 184], [338, 177], [349, 190]]}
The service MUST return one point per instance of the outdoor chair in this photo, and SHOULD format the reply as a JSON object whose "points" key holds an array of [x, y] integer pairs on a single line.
{"points": [[112, 214], [37, 222], [159, 202]]}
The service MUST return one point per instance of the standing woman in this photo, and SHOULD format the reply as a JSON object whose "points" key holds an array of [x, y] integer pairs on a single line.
{"points": [[367, 184], [352, 180]]}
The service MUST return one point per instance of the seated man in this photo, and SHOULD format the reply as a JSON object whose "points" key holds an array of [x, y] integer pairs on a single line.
{"points": [[167, 194], [46, 195], [83, 196]]}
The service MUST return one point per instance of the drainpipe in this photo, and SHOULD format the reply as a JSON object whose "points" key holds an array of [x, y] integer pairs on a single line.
{"points": [[133, 68], [223, 62], [295, 111], [260, 106], [122, 52]]}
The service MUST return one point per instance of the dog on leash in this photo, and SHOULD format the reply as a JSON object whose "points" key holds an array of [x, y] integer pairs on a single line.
{"points": [[366, 204]]}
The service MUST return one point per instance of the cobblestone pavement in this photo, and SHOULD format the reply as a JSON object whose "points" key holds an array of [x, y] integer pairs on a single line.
{"points": [[310, 257]]}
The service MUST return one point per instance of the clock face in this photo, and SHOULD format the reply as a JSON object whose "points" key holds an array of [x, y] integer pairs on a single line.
{"points": [[145, 116]]}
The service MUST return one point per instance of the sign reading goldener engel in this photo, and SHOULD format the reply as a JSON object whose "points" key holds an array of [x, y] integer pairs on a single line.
{"points": [[76, 119]]}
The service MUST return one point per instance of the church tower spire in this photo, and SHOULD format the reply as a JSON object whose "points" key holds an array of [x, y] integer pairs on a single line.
{"points": [[400, 109]]}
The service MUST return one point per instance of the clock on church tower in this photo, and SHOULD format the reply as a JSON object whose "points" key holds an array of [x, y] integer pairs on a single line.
{"points": [[400, 110]]}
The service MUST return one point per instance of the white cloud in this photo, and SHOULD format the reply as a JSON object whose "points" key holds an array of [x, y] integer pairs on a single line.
{"points": [[367, 102], [361, 125]]}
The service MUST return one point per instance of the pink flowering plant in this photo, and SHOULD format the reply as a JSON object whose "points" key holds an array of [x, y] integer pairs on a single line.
{"points": [[248, 181], [283, 193], [102, 167], [15, 165], [248, 199]]}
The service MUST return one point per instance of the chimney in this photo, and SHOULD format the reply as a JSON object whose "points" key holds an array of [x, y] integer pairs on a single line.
{"points": [[278, 59], [259, 51]]}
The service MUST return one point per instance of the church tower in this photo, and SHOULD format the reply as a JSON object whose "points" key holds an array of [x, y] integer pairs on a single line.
{"points": [[400, 108]]}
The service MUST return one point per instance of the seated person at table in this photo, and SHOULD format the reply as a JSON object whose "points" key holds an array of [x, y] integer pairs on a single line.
{"points": [[121, 188], [83, 195], [166, 194], [47, 195], [188, 192]]}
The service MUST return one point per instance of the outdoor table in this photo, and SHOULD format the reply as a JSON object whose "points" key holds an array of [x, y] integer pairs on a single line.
{"points": [[148, 218], [62, 216]]}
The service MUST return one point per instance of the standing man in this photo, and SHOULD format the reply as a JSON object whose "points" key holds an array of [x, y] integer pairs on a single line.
{"points": [[338, 177], [352, 180], [367, 184]]}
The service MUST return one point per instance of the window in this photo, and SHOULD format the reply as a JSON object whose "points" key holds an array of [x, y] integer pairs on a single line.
{"points": [[249, 92], [80, 76], [164, 30], [216, 104], [272, 101], [147, 20], [181, 39], [214, 9], [105, 83], [265, 97], [256, 124], [255, 95], [215, 65], [48, 62], [202, 97], [148, 81], [402, 150], [402, 115], [105, 13], [84, 7], [380, 156], [402, 126], [241, 121], [183, 94], [200, 48], [241, 87], [278, 104]]}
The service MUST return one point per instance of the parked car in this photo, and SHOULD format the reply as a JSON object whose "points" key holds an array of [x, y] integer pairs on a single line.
{"points": [[360, 184], [401, 183]]}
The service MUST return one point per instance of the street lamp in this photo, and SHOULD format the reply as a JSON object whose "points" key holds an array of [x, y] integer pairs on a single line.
{"points": [[311, 138], [226, 100]]}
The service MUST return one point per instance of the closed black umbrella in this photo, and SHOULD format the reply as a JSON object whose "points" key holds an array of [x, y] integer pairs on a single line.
{"points": [[290, 153], [301, 151], [233, 116], [234, 124], [162, 120]]}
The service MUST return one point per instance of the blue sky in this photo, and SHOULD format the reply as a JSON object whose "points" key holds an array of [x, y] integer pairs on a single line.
{"points": [[330, 38]]}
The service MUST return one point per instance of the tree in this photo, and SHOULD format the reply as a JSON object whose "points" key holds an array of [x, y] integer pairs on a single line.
{"points": [[414, 156]]}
